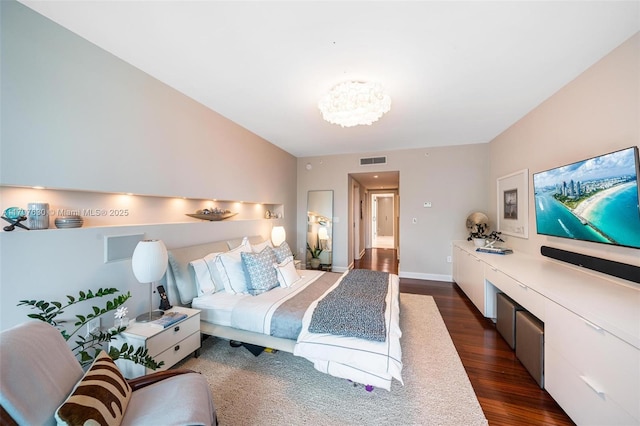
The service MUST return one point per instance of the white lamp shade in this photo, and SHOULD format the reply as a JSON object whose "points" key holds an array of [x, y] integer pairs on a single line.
{"points": [[278, 235], [149, 261], [323, 234]]}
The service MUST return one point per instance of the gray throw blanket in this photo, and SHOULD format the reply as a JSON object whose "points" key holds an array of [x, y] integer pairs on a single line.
{"points": [[355, 308]]}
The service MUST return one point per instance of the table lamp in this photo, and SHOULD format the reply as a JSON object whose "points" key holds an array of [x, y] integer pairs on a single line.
{"points": [[149, 263], [278, 235]]}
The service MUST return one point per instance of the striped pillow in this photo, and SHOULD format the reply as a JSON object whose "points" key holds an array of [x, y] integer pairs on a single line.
{"points": [[100, 398]]}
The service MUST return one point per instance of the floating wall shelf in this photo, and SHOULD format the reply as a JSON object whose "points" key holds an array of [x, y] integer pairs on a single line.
{"points": [[120, 209]]}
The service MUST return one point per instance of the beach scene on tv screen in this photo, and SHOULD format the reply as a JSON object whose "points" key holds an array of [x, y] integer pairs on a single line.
{"points": [[594, 200]]}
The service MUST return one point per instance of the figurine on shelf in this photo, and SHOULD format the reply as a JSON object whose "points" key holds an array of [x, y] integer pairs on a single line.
{"points": [[14, 215]]}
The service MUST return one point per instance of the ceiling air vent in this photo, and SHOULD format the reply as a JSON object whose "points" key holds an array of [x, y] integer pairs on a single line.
{"points": [[373, 160]]}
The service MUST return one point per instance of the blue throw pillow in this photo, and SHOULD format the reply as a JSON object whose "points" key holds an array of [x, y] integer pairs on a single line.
{"points": [[259, 268], [282, 252]]}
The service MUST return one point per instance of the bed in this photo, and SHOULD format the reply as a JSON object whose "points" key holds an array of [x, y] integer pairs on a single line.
{"points": [[282, 317]]}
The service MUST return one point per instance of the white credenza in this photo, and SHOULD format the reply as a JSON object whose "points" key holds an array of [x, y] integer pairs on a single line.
{"points": [[591, 323]]}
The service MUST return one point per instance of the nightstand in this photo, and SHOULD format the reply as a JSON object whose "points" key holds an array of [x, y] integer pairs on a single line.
{"points": [[170, 344]]}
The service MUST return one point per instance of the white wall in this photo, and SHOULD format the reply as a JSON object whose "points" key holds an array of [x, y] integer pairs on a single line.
{"points": [[75, 117], [598, 112], [454, 179]]}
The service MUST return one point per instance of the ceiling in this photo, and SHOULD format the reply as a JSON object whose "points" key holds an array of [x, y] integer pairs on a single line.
{"points": [[457, 72]]}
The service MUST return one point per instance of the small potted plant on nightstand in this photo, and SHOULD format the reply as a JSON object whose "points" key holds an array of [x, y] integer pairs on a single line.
{"points": [[87, 347]]}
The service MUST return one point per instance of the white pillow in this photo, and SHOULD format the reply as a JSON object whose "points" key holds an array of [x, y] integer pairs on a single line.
{"points": [[257, 248], [286, 272], [204, 283], [218, 281], [229, 268]]}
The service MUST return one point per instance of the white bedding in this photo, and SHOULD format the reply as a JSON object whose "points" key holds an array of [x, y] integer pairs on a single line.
{"points": [[254, 312], [362, 361], [216, 308]]}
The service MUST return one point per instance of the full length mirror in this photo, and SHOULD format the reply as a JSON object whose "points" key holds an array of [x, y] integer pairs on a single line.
{"points": [[319, 230]]}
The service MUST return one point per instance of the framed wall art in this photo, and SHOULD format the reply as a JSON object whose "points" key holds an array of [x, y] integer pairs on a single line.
{"points": [[513, 204]]}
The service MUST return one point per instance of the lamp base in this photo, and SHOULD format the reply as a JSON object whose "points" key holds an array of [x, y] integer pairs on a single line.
{"points": [[149, 316]]}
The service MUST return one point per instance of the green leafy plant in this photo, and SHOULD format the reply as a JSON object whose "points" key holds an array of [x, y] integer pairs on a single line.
{"points": [[88, 347], [315, 252]]}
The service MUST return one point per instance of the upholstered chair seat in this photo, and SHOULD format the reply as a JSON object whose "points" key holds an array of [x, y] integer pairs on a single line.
{"points": [[39, 373]]}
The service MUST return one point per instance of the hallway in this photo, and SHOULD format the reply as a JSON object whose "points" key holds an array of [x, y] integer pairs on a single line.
{"points": [[378, 259]]}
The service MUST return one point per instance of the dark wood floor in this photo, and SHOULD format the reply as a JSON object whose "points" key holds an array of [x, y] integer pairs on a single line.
{"points": [[507, 393]]}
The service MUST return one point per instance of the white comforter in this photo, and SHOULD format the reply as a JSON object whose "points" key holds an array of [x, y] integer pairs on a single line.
{"points": [[362, 361], [359, 360]]}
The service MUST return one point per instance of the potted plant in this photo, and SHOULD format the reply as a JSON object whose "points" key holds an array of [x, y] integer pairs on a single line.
{"points": [[480, 237], [86, 348], [315, 256]]}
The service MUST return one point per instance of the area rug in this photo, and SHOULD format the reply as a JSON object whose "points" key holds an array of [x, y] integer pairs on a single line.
{"points": [[278, 388]]}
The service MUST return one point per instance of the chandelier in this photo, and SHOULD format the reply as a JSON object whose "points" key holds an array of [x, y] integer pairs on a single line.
{"points": [[352, 103]]}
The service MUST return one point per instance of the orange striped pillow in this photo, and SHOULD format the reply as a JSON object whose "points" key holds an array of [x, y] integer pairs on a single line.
{"points": [[100, 398]]}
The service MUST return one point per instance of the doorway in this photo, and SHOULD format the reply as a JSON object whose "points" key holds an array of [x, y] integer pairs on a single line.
{"points": [[386, 187], [382, 220]]}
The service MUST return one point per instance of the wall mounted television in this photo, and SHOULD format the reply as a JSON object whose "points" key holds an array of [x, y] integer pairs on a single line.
{"points": [[596, 199]]}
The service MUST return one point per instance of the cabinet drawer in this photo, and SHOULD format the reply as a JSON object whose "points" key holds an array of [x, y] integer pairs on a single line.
{"points": [[531, 300], [172, 334], [178, 351], [577, 397], [611, 365]]}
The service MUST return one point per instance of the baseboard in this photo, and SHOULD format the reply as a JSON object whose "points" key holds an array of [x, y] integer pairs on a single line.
{"points": [[423, 276], [341, 268]]}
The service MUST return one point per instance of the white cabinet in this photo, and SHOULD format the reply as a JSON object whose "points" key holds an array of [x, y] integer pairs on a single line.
{"points": [[470, 278], [591, 329], [528, 298], [592, 374], [170, 344]]}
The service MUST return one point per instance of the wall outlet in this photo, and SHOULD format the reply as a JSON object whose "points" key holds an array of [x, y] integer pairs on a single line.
{"points": [[448, 259], [93, 325], [427, 204]]}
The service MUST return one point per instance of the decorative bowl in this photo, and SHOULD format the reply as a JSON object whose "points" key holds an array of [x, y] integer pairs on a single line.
{"points": [[69, 222]]}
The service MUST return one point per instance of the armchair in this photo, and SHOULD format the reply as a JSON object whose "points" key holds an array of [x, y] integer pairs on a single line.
{"points": [[38, 372]]}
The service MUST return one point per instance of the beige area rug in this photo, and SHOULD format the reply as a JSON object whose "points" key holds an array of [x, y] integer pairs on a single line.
{"points": [[286, 390]]}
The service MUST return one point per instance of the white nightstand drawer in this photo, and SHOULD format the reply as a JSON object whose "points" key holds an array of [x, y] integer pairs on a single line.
{"points": [[172, 334], [179, 351], [596, 355], [531, 300]]}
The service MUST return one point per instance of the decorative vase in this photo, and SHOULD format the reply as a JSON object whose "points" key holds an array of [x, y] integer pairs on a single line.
{"points": [[315, 262], [38, 214], [479, 242]]}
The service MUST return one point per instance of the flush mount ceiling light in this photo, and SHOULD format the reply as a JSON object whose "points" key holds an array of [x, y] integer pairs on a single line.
{"points": [[352, 103]]}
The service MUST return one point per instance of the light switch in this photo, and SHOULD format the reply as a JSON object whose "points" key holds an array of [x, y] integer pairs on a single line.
{"points": [[427, 204]]}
